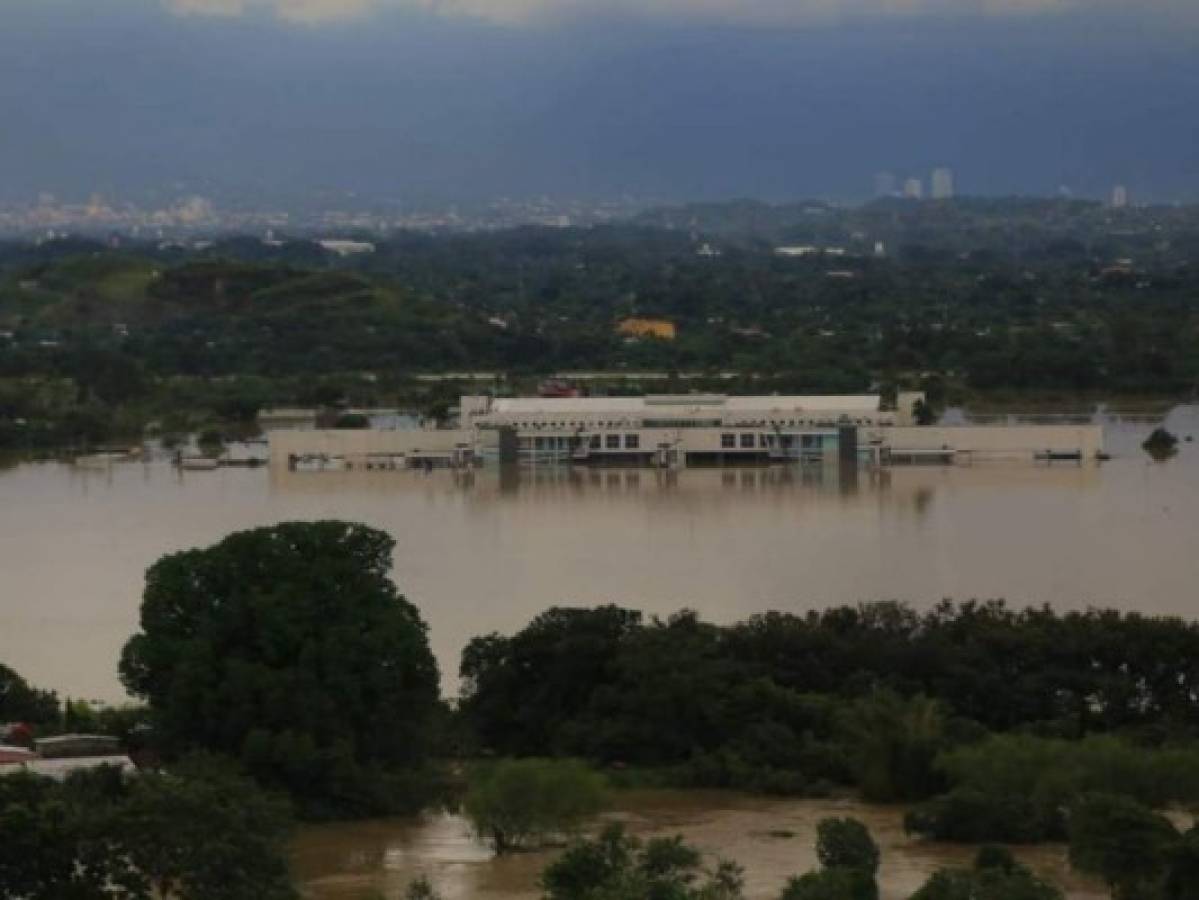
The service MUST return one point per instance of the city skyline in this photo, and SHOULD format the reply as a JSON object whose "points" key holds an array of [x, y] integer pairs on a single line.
{"points": [[172, 200], [50, 216]]}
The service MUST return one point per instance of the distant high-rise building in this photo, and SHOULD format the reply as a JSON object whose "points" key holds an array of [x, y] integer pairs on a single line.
{"points": [[884, 184], [913, 189], [942, 184], [1119, 197]]}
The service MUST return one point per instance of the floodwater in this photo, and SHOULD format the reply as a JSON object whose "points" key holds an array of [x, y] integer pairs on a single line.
{"points": [[772, 839], [486, 552]]}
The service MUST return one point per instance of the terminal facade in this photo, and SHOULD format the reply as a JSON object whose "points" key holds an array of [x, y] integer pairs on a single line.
{"points": [[682, 430]]}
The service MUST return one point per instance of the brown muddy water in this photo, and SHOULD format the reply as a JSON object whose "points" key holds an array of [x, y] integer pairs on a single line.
{"points": [[772, 839], [487, 553]]}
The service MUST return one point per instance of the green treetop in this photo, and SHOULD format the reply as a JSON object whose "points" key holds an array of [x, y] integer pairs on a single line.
{"points": [[289, 649]]}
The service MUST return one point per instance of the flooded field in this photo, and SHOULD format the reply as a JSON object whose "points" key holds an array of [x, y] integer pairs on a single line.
{"points": [[772, 839]]}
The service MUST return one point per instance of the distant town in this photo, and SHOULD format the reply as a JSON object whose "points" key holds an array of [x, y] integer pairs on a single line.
{"points": [[49, 216], [190, 214]]}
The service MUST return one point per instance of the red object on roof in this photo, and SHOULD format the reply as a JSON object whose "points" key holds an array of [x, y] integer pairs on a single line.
{"points": [[556, 388]]}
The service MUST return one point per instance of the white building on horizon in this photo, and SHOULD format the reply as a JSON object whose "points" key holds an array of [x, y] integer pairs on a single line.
{"points": [[345, 248], [913, 189], [1119, 197], [942, 184]]}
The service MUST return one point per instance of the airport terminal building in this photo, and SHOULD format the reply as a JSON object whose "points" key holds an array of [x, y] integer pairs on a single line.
{"points": [[679, 431]]}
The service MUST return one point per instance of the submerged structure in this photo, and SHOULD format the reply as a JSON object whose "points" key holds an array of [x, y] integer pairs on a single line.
{"points": [[680, 430], [675, 431]]}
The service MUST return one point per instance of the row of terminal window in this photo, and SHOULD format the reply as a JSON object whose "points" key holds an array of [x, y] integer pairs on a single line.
{"points": [[704, 423], [613, 442], [595, 442], [728, 441], [748, 440]]}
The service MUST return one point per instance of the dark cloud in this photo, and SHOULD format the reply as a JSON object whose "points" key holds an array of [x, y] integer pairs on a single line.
{"points": [[401, 104]]}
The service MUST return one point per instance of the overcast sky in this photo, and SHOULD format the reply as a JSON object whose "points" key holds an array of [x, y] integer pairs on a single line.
{"points": [[680, 99]]}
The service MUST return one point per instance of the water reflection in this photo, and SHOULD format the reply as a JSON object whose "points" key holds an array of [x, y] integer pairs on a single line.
{"points": [[773, 839], [902, 488]]}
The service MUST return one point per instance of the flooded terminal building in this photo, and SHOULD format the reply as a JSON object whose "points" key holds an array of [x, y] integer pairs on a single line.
{"points": [[681, 430], [685, 430]]}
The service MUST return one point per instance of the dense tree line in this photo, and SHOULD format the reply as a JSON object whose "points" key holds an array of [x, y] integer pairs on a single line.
{"points": [[973, 296], [996, 717], [549, 302], [609, 684]]}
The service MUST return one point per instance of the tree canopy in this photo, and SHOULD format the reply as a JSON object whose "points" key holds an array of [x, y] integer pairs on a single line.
{"points": [[849, 860], [617, 866], [518, 803], [197, 833], [1121, 841], [874, 696], [847, 844], [994, 876], [19, 702], [289, 649]]}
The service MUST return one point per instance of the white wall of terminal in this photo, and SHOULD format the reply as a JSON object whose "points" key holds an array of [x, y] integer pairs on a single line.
{"points": [[363, 444]]}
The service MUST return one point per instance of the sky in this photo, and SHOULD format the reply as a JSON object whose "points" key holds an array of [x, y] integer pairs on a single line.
{"points": [[424, 101]]}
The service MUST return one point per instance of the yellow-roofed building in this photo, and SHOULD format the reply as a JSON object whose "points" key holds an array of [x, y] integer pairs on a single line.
{"points": [[661, 329]]}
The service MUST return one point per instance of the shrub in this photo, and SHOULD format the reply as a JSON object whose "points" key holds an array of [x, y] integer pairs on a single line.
{"points": [[1122, 842], [972, 816], [832, 884], [516, 804], [846, 844], [996, 876], [850, 858], [615, 866], [1014, 788], [892, 743]]}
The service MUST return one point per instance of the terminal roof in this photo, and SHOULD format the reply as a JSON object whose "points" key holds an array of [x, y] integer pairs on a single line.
{"points": [[684, 402]]}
